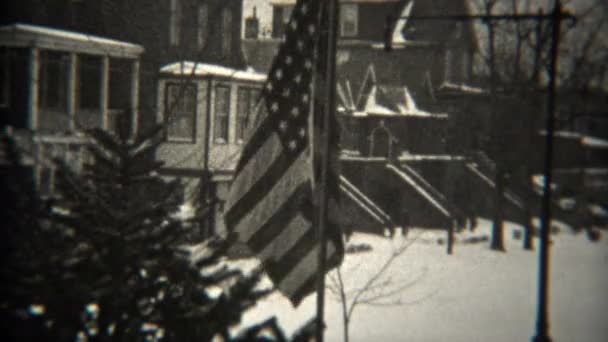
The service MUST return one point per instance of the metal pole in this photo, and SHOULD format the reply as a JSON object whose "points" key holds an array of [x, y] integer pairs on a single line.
{"points": [[542, 318], [330, 91]]}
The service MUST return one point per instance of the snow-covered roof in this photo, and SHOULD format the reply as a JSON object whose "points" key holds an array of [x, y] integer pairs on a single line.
{"points": [[293, 2], [464, 88], [405, 156], [594, 142], [393, 101], [562, 134], [26, 35], [203, 69], [397, 37]]}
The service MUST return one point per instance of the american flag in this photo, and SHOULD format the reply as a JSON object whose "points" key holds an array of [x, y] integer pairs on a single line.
{"points": [[271, 206]]}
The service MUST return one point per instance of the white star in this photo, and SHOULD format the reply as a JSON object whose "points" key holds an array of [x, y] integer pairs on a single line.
{"points": [[286, 92], [304, 9], [295, 111], [278, 74], [300, 45], [298, 78], [274, 107], [308, 64], [288, 60], [292, 145], [305, 98], [283, 126], [302, 132], [294, 25], [311, 29], [269, 86]]}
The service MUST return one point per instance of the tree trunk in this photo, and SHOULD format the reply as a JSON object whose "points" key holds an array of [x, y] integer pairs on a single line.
{"points": [[527, 243], [497, 222]]}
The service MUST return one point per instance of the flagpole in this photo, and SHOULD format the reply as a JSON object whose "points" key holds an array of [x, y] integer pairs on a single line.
{"points": [[330, 93]]}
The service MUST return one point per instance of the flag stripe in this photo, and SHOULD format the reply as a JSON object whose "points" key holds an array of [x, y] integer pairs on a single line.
{"points": [[307, 265], [259, 190], [296, 254], [258, 138], [304, 290], [263, 199], [285, 240], [285, 213], [255, 168]]}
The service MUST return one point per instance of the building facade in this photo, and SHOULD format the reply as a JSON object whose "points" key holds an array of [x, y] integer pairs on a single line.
{"points": [[55, 83]]}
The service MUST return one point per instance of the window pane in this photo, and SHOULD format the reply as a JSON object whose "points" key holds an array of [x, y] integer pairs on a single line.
{"points": [[222, 109], [53, 80], [348, 19], [287, 13], [243, 110], [226, 32], [203, 19], [88, 113], [4, 77], [175, 18], [180, 109]]}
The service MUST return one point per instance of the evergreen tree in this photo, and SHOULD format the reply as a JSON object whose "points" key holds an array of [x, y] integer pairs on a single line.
{"points": [[110, 263]]}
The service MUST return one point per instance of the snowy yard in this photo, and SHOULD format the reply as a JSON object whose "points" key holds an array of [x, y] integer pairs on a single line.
{"points": [[474, 295]]}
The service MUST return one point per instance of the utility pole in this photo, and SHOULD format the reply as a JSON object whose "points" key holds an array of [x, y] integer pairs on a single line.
{"points": [[542, 315], [556, 17]]}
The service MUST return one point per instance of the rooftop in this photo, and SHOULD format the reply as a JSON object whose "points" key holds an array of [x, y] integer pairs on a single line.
{"points": [[26, 35], [204, 69]]}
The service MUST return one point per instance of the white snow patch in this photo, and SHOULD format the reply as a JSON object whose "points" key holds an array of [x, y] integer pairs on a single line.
{"points": [[598, 210], [461, 87], [594, 142], [68, 35], [205, 69], [473, 295]]}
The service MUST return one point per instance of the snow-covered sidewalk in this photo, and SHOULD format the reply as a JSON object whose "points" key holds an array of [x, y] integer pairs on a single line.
{"points": [[473, 295]]}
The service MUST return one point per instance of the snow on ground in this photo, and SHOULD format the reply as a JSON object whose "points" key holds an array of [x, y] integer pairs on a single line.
{"points": [[473, 295]]}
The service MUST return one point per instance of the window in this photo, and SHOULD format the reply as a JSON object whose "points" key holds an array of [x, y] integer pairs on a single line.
{"points": [[222, 110], [4, 77], [226, 32], [287, 14], [447, 76], [175, 18], [349, 15], [53, 75], [88, 113], [180, 112], [203, 25], [247, 99]]}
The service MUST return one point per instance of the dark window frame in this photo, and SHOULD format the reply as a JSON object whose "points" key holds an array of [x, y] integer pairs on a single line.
{"points": [[202, 22], [227, 20], [53, 81], [5, 78], [343, 21], [223, 136], [176, 111], [244, 118]]}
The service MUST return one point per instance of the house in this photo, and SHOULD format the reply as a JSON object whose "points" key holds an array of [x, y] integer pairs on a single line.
{"points": [[208, 110], [170, 30], [54, 83]]}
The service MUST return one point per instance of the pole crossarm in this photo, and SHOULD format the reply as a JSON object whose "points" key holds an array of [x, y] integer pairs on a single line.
{"points": [[563, 15]]}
